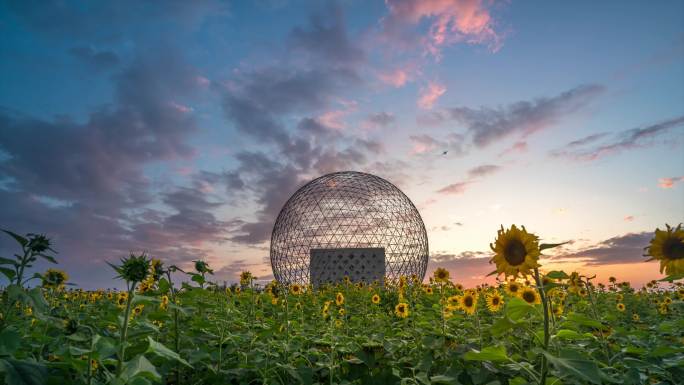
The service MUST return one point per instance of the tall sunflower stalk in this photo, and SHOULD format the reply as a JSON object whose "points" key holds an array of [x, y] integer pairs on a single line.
{"points": [[594, 310], [176, 316], [516, 252], [441, 276], [545, 306], [133, 270]]}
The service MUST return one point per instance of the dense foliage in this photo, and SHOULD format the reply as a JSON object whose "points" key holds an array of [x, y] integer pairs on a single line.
{"points": [[403, 332]]}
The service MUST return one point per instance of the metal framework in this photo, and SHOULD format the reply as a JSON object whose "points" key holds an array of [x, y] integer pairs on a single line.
{"points": [[348, 209]]}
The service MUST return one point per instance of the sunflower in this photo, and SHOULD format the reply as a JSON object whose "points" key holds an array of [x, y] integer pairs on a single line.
{"points": [[667, 300], [298, 306], [339, 299], [441, 275], [246, 278], [164, 302], [121, 299], [468, 303], [401, 310], [635, 317], [582, 292], [494, 301], [274, 300], [454, 300], [325, 313], [663, 309], [516, 251], [530, 295], [557, 309], [375, 299], [620, 306], [667, 246], [429, 290], [54, 278], [513, 289], [458, 286], [296, 289], [138, 310]]}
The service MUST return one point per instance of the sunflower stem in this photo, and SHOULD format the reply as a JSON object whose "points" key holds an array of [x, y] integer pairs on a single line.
{"points": [[124, 329], [545, 305]]}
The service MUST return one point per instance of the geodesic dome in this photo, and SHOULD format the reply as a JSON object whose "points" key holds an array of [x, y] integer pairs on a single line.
{"points": [[346, 210]]}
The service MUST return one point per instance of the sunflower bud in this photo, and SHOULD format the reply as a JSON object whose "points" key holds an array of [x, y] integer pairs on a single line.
{"points": [[203, 267], [38, 243], [134, 268]]}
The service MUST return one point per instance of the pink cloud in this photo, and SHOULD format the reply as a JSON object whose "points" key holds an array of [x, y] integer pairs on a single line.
{"points": [[396, 78], [202, 81], [451, 21], [518, 147], [428, 95], [455, 188], [185, 170], [180, 107], [335, 118], [629, 218], [669, 182], [423, 144]]}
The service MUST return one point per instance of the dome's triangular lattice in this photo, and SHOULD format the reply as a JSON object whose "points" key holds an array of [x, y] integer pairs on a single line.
{"points": [[346, 210]]}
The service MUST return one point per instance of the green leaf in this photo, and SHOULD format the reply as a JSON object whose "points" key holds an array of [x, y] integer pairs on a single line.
{"points": [[140, 366], [164, 352], [443, 380], [664, 350], [49, 258], [9, 342], [164, 285], [545, 246], [490, 353], [557, 274], [517, 308], [570, 334], [492, 273], [7, 261], [23, 372], [139, 298], [38, 301], [673, 277], [198, 278], [139, 381], [22, 241], [586, 370], [9, 273], [103, 346], [517, 381], [583, 320], [501, 326]]}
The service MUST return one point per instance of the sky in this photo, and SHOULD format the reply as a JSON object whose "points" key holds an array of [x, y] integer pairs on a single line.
{"points": [[181, 128]]}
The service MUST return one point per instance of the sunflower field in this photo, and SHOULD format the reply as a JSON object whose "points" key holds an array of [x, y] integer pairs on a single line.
{"points": [[533, 327]]}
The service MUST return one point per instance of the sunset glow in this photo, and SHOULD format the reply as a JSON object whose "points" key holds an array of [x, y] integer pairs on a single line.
{"points": [[182, 130]]}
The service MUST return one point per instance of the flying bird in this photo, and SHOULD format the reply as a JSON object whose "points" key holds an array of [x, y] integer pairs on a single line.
{"points": [[445, 152]]}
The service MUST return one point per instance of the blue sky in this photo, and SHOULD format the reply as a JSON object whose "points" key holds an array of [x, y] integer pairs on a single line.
{"points": [[181, 128]]}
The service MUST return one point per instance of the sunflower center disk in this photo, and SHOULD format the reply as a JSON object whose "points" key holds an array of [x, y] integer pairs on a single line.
{"points": [[529, 297], [515, 252], [673, 248]]}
